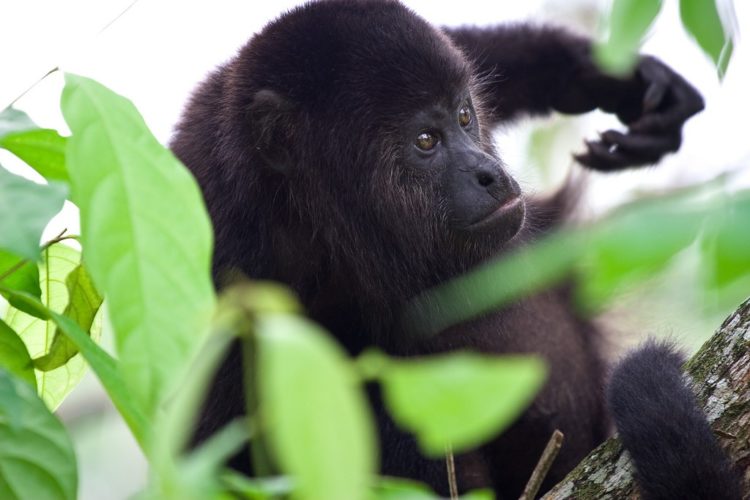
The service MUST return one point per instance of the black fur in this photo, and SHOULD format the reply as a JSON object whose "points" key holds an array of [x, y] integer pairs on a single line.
{"points": [[303, 146], [674, 450]]}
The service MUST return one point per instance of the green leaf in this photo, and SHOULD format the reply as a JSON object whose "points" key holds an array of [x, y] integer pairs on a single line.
{"points": [[394, 488], [260, 488], [628, 22], [199, 476], [36, 454], [459, 400], [21, 275], [146, 233], [13, 120], [726, 243], [635, 244], [701, 19], [313, 410], [105, 367], [495, 283], [58, 261], [83, 305], [14, 357], [41, 149], [27, 207]]}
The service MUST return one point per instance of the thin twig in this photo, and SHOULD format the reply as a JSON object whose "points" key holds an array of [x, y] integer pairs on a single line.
{"points": [[28, 89], [18, 265], [56, 68], [450, 465], [542, 467]]}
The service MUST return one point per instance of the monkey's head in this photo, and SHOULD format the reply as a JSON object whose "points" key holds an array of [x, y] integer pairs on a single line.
{"points": [[369, 124]]}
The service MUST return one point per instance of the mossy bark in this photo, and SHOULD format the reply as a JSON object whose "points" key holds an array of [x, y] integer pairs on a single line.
{"points": [[720, 376]]}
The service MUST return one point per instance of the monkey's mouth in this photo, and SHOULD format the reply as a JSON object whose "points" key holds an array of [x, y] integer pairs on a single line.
{"points": [[509, 213]]}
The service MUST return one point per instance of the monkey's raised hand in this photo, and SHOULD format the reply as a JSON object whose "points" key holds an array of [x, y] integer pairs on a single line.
{"points": [[654, 104], [537, 69]]}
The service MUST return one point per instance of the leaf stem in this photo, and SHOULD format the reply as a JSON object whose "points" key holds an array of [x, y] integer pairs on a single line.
{"points": [[450, 466]]}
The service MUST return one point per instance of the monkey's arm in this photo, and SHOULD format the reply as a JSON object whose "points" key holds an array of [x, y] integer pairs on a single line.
{"points": [[536, 70]]}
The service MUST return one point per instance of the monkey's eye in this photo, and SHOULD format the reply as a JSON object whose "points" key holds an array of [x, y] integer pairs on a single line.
{"points": [[426, 141], [464, 116]]}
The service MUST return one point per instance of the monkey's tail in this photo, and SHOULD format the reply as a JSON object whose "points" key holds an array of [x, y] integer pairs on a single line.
{"points": [[660, 424]]}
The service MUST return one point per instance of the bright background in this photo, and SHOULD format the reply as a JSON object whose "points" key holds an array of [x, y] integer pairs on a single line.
{"points": [[155, 51]]}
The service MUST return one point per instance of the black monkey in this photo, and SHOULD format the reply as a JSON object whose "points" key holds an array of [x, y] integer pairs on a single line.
{"points": [[346, 151]]}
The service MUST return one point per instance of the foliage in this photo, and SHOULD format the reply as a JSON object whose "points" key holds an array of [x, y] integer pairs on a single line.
{"points": [[146, 252], [629, 21]]}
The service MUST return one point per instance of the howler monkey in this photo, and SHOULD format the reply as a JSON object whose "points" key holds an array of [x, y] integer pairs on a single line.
{"points": [[346, 151]]}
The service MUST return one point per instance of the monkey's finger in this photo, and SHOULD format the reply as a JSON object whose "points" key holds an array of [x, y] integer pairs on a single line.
{"points": [[600, 157], [685, 102], [605, 157], [658, 77], [650, 146], [653, 96]]}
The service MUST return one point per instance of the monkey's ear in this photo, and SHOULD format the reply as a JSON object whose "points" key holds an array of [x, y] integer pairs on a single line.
{"points": [[271, 117]]}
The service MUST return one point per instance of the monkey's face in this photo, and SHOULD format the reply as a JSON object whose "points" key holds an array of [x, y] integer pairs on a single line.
{"points": [[478, 196]]}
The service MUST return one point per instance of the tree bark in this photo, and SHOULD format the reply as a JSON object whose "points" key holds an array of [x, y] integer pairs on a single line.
{"points": [[720, 377]]}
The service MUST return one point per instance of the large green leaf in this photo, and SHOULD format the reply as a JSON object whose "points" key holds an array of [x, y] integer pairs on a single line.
{"points": [[14, 356], [635, 244], [36, 454], [58, 261], [459, 400], [701, 19], [13, 120], [42, 149], [26, 208], [628, 22], [83, 305], [106, 368], [313, 410], [146, 233]]}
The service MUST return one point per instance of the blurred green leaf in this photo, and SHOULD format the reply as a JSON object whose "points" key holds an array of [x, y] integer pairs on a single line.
{"points": [[258, 488], [726, 242], [14, 357], [26, 208], [459, 400], [146, 233], [628, 22], [260, 297], [199, 471], [13, 120], [83, 305], [36, 454], [313, 410], [396, 488], [701, 19], [634, 244], [495, 283], [58, 261], [21, 275], [193, 474], [41, 149]]}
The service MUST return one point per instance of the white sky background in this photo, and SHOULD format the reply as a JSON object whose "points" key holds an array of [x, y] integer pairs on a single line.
{"points": [[159, 49]]}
